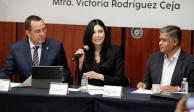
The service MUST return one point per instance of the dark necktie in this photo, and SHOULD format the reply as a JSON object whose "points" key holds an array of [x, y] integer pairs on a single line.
{"points": [[35, 60]]}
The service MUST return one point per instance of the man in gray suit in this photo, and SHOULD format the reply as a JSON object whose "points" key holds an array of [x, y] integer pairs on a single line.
{"points": [[169, 66], [34, 50]]}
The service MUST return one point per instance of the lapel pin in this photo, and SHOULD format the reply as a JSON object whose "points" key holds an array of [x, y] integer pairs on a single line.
{"points": [[47, 48]]}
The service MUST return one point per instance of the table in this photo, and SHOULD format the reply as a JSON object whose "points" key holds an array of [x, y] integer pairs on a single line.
{"points": [[38, 100]]}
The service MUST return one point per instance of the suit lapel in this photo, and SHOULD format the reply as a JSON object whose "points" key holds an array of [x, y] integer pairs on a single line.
{"points": [[26, 51], [44, 52], [178, 67], [160, 67]]}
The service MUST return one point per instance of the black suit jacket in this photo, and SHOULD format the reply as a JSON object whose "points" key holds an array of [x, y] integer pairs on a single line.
{"points": [[111, 68], [184, 68], [20, 59]]}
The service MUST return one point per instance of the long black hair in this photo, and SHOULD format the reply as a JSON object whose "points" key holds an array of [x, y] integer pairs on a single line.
{"points": [[90, 56]]}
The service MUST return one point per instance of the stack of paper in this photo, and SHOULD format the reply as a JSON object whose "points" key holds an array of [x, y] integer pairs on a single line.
{"points": [[142, 91]]}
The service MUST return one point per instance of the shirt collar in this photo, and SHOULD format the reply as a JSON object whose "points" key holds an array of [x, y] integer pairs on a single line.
{"points": [[175, 55], [32, 45]]}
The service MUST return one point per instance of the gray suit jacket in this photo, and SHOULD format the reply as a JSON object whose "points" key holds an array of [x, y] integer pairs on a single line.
{"points": [[183, 68]]}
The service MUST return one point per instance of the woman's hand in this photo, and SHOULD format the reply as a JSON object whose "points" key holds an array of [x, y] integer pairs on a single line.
{"points": [[94, 75], [81, 58], [81, 52]]}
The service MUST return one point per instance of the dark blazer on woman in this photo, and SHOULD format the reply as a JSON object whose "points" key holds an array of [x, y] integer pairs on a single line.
{"points": [[184, 69], [111, 68]]}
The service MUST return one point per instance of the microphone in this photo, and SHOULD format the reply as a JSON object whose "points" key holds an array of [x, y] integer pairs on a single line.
{"points": [[76, 57]]}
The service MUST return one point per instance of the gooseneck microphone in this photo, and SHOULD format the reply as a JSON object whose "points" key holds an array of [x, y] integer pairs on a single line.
{"points": [[76, 56]]}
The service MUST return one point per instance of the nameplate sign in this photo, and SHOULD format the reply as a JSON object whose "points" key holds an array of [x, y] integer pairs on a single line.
{"points": [[112, 91], [58, 88], [4, 85]]}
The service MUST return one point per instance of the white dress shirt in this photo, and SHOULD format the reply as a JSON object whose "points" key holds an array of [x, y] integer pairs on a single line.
{"points": [[168, 68]]}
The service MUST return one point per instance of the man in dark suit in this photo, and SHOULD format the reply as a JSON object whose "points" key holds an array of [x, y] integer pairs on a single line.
{"points": [[23, 55], [169, 66]]}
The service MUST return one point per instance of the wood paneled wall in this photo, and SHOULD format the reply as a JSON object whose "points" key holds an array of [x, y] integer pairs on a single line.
{"points": [[192, 43], [136, 51], [7, 37]]}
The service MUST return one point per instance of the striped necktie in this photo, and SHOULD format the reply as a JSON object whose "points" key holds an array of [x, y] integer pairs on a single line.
{"points": [[35, 60]]}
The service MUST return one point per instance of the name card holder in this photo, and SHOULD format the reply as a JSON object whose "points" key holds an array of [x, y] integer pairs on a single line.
{"points": [[5, 85], [58, 88], [112, 91]]}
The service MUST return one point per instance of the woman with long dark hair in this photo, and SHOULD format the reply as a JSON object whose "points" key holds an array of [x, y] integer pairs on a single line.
{"points": [[103, 62]]}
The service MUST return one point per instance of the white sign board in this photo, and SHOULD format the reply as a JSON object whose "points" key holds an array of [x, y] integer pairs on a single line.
{"points": [[112, 91], [119, 13], [4, 85], [58, 88]]}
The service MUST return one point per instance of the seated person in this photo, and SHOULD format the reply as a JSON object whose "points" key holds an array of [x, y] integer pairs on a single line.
{"points": [[169, 66], [34, 50], [103, 62]]}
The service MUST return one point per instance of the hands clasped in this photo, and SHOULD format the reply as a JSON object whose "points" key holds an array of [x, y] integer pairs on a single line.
{"points": [[95, 75]]}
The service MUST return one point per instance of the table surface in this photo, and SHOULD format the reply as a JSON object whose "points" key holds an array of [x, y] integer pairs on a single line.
{"points": [[33, 99]]}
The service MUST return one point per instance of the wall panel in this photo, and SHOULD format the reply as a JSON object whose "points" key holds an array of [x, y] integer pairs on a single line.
{"points": [[72, 38], [137, 52], [186, 41], [116, 36], [7, 37]]}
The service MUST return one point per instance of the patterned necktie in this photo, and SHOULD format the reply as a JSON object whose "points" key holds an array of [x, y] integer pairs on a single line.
{"points": [[35, 60]]}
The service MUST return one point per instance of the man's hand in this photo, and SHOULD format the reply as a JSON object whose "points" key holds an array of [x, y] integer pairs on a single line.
{"points": [[168, 88], [141, 85]]}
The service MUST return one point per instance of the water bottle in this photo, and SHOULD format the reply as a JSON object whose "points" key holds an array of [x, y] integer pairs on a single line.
{"points": [[84, 83], [184, 85]]}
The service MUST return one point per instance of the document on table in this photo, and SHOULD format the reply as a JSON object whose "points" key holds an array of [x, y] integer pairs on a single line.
{"points": [[26, 83], [92, 87], [94, 90], [145, 91], [142, 91], [73, 89]]}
